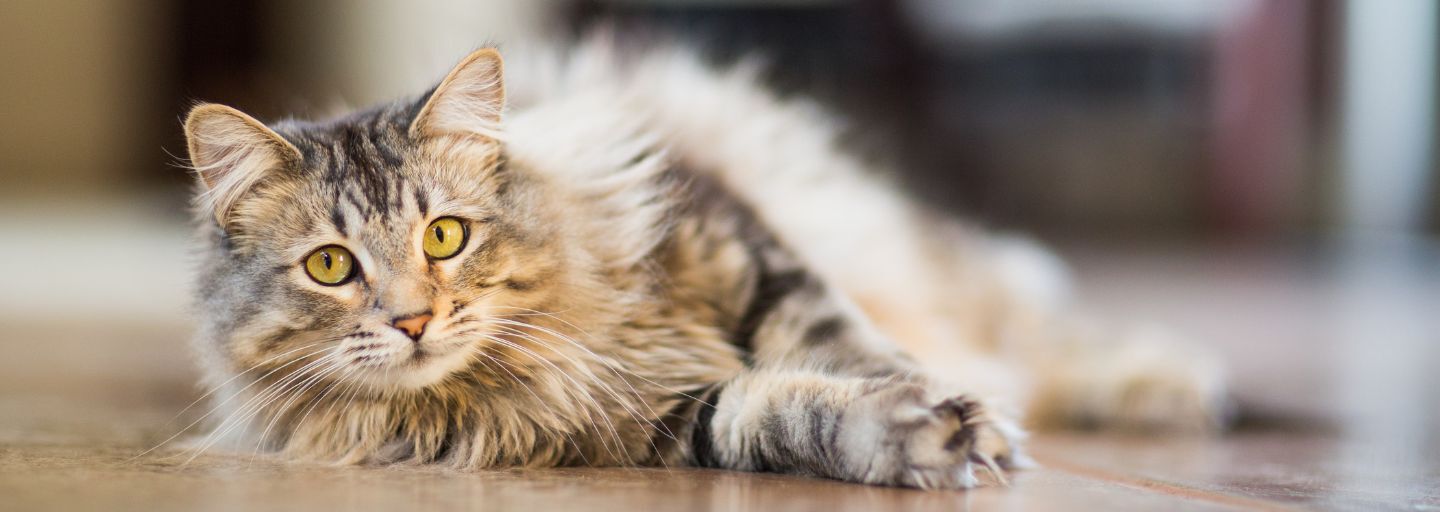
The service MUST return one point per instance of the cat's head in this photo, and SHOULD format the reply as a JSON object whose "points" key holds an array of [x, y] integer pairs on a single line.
{"points": [[377, 247]]}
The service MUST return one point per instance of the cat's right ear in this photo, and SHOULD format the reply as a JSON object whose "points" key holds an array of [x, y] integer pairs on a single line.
{"points": [[468, 102], [230, 152]]}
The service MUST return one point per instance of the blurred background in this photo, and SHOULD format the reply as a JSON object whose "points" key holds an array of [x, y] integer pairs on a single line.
{"points": [[1259, 173], [1127, 118]]}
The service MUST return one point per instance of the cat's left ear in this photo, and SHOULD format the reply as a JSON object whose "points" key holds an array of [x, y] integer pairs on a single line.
{"points": [[468, 102]]}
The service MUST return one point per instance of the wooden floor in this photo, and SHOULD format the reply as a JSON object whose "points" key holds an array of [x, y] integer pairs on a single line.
{"points": [[1334, 352]]}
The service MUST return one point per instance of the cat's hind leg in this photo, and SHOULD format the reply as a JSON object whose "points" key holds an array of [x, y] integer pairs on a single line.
{"points": [[1081, 372], [1142, 379]]}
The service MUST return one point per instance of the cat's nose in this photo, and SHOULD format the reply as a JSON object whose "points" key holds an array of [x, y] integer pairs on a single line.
{"points": [[413, 325]]}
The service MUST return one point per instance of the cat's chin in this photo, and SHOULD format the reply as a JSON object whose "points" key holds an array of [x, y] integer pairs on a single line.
{"points": [[418, 370]]}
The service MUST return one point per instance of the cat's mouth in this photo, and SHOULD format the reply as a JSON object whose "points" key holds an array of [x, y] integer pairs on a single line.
{"points": [[417, 365]]}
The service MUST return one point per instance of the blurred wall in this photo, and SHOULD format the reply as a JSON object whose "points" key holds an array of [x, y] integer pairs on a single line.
{"points": [[351, 53], [76, 103], [1389, 114]]}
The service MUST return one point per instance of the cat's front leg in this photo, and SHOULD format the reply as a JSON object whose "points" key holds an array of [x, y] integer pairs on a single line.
{"points": [[884, 431]]}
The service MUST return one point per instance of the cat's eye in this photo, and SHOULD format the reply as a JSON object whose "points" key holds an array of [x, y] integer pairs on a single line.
{"points": [[444, 238], [331, 265]]}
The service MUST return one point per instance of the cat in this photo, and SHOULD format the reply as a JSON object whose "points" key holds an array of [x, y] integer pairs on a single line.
{"points": [[620, 258]]}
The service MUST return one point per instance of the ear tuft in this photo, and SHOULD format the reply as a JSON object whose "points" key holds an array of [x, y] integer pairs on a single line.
{"points": [[230, 152], [468, 102]]}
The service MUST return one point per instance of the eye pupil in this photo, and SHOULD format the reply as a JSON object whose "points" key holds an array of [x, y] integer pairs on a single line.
{"points": [[327, 260], [439, 234]]}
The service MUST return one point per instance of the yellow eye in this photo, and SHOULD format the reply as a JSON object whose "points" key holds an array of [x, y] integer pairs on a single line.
{"points": [[331, 265], [444, 238]]}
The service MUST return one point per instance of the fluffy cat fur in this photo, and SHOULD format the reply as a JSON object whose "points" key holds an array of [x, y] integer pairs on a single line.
{"points": [[665, 265]]}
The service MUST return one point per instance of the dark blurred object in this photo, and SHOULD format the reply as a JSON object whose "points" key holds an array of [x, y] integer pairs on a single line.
{"points": [[1261, 89]]}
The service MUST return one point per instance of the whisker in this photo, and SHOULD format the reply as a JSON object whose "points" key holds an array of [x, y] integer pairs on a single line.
{"points": [[660, 426], [315, 402], [252, 406], [603, 360], [217, 407], [586, 370], [577, 384], [221, 385], [335, 366], [539, 400], [596, 411]]}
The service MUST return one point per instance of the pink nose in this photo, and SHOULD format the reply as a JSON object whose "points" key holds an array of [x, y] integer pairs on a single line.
{"points": [[412, 326]]}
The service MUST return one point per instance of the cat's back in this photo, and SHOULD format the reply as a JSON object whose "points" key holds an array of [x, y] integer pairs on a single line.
{"points": [[925, 279], [780, 156]]}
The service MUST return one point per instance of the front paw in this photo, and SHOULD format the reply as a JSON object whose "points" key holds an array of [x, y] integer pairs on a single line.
{"points": [[939, 446]]}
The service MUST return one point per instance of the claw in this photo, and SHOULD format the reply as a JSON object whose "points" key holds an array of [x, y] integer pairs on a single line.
{"points": [[991, 467]]}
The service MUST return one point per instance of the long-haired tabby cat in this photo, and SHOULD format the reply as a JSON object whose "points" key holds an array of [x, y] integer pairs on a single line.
{"points": [[606, 258]]}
